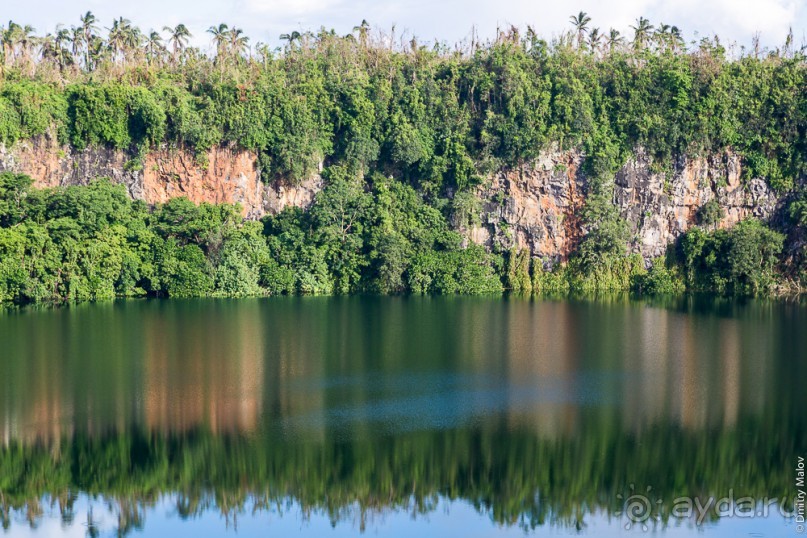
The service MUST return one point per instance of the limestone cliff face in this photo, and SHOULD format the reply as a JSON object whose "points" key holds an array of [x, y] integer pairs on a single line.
{"points": [[661, 208], [229, 176], [536, 207]]}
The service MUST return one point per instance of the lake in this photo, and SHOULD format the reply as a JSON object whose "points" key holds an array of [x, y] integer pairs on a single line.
{"points": [[401, 416]]}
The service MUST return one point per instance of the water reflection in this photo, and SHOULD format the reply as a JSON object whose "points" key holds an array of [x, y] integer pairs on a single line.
{"points": [[532, 412]]}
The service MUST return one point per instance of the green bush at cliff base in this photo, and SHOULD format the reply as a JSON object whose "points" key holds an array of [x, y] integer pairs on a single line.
{"points": [[518, 271], [93, 243], [658, 279], [372, 234], [741, 260]]}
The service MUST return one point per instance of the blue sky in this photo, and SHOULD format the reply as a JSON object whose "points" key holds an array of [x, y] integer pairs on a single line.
{"points": [[449, 20]]}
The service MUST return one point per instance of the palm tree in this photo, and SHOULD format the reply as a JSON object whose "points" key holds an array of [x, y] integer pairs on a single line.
{"points": [[676, 38], [363, 30], [76, 38], [10, 37], [220, 35], [614, 39], [291, 38], [662, 35], [264, 53], [239, 43], [123, 39], [116, 40], [24, 38], [178, 38], [580, 22], [62, 37], [595, 39], [88, 29], [154, 46], [641, 32]]}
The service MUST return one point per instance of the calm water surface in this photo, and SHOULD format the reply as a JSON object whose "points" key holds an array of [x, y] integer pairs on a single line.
{"points": [[401, 416]]}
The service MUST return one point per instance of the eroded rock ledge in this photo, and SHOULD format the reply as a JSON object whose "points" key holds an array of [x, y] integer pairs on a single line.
{"points": [[536, 207], [230, 175]]}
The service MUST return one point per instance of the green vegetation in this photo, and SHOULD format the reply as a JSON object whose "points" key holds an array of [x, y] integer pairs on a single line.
{"points": [[90, 243], [439, 117], [436, 119], [379, 236], [236, 474]]}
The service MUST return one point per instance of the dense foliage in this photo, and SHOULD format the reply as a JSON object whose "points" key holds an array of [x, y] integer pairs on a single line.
{"points": [[89, 243], [439, 117], [436, 119]]}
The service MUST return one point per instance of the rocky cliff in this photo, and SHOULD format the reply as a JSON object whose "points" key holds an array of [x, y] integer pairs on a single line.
{"points": [[536, 207], [229, 175]]}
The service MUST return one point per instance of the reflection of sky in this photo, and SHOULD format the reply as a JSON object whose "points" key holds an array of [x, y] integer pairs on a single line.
{"points": [[449, 518], [444, 400]]}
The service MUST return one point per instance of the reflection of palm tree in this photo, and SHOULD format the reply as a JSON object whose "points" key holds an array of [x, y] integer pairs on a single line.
{"points": [[92, 528], [580, 22]]}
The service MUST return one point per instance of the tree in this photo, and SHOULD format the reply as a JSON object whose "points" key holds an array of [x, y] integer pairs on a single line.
{"points": [[580, 23], [363, 30], [178, 38], [641, 33], [154, 46], [221, 36], [615, 40], [710, 214], [88, 29], [753, 251], [595, 40], [291, 38], [606, 234], [238, 42]]}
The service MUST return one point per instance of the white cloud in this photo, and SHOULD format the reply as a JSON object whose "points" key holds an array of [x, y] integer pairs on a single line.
{"points": [[290, 8], [735, 19]]}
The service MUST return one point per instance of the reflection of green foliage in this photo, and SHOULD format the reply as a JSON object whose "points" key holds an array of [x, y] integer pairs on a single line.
{"points": [[500, 472]]}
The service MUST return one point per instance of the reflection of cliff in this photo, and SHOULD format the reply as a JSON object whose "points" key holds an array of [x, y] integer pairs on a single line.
{"points": [[233, 366], [194, 375], [543, 351], [657, 365]]}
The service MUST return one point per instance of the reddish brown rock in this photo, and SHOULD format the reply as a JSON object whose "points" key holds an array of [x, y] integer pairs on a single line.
{"points": [[229, 175]]}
